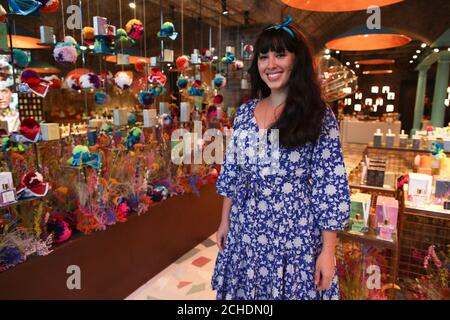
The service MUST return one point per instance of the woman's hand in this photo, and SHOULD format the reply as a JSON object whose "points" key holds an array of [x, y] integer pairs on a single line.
{"points": [[221, 235], [324, 270]]}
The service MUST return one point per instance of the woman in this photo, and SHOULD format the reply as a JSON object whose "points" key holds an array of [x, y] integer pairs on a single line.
{"points": [[277, 236]]}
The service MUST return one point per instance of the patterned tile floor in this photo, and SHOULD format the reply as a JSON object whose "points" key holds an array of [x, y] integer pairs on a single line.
{"points": [[189, 278]]}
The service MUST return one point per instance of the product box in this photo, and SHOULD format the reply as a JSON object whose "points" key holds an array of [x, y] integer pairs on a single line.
{"points": [[185, 112], [120, 117], [360, 208], [96, 123], [446, 142], [50, 131], [123, 59], [149, 118], [386, 209], [442, 190], [47, 35], [100, 26], [7, 190], [168, 55], [419, 188], [163, 108]]}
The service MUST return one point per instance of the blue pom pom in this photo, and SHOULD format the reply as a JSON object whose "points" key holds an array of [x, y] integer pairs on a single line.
{"points": [[145, 98], [21, 59], [101, 98], [132, 119], [182, 83]]}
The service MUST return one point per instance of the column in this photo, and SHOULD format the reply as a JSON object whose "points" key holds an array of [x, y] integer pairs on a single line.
{"points": [[420, 97], [440, 90]]}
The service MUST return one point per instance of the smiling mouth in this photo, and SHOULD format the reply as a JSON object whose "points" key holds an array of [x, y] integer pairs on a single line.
{"points": [[273, 76]]}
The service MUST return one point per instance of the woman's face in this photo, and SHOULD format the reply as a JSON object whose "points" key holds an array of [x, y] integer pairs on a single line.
{"points": [[275, 68], [5, 98]]}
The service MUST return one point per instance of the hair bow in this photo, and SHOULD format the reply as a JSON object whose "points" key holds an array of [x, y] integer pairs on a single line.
{"points": [[284, 25]]}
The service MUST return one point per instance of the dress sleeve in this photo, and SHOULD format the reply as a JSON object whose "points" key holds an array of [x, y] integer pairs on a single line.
{"points": [[330, 191], [230, 169]]}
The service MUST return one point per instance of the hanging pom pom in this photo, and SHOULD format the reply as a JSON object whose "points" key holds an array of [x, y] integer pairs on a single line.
{"points": [[182, 62], [196, 90], [156, 77], [88, 35], [182, 83], [66, 52], [218, 99], [145, 98], [134, 29], [101, 98], [90, 81], [73, 82], [140, 64], [50, 6], [123, 79], [219, 81], [167, 30], [157, 91], [131, 119], [229, 58], [20, 58], [238, 65]]}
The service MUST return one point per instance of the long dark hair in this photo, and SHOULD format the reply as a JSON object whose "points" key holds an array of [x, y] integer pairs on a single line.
{"points": [[301, 120]]}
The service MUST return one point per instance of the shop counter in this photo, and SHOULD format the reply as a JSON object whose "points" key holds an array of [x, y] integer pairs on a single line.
{"points": [[356, 131]]}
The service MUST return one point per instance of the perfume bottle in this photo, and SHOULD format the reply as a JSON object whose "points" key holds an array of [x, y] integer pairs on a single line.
{"points": [[385, 231], [357, 224]]}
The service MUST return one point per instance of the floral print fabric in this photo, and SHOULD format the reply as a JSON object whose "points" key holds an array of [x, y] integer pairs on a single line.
{"points": [[278, 212]]}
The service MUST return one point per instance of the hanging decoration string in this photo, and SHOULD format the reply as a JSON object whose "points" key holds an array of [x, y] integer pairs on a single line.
{"points": [[145, 44], [88, 14], [182, 27], [121, 24], [62, 19]]}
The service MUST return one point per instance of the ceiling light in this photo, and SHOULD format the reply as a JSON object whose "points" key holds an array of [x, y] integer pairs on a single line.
{"points": [[423, 45], [347, 63], [418, 51], [132, 5], [327, 51], [357, 65], [224, 7], [410, 61], [415, 56], [436, 50], [337, 51]]}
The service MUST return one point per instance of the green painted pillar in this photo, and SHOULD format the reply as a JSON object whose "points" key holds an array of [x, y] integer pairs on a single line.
{"points": [[420, 98], [440, 90]]}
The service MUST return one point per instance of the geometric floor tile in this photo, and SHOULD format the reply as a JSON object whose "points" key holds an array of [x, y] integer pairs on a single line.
{"points": [[197, 288], [183, 284], [208, 243], [200, 262]]}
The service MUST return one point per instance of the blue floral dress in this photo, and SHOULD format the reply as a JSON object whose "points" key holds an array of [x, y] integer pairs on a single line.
{"points": [[278, 212]]}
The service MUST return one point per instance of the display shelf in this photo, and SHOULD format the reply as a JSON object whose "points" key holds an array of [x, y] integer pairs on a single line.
{"points": [[20, 202], [368, 239], [383, 147], [432, 210], [364, 187]]}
